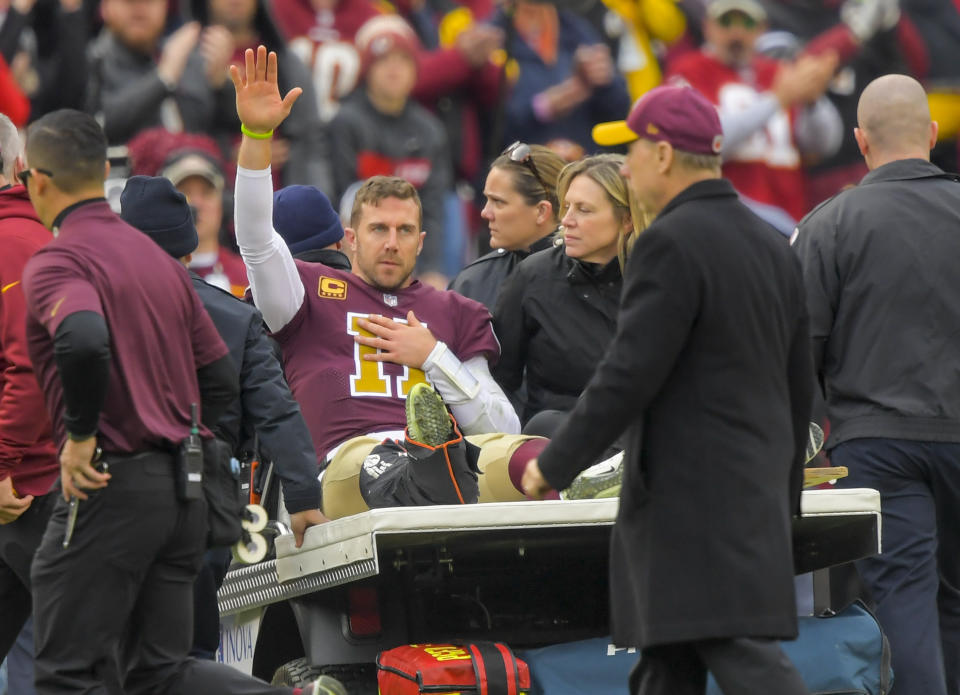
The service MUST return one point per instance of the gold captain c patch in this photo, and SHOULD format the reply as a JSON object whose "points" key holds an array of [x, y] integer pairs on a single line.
{"points": [[331, 288]]}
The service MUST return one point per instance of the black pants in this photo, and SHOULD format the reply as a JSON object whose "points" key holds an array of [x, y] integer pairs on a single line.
{"points": [[206, 612], [741, 666], [19, 540], [916, 579], [122, 593]]}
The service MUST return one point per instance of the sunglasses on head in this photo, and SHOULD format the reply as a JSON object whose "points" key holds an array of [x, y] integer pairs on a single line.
{"points": [[25, 175], [731, 18], [520, 153]]}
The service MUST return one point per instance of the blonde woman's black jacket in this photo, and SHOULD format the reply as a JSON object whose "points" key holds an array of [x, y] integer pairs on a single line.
{"points": [[554, 318]]}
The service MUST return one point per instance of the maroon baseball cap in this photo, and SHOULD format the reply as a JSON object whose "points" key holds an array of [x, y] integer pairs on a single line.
{"points": [[681, 116]]}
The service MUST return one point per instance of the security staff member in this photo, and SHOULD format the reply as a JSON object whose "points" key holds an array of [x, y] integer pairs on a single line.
{"points": [[880, 265], [122, 348], [709, 374], [265, 407]]}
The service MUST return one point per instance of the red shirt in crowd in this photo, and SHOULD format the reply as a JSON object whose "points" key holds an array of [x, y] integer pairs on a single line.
{"points": [[767, 166], [27, 453], [160, 333]]}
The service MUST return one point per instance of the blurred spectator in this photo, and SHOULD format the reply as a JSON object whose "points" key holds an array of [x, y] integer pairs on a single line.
{"points": [[872, 40], [200, 178], [379, 130], [44, 43], [231, 27], [460, 82], [13, 102], [938, 22], [645, 21], [321, 33], [772, 112], [566, 80], [522, 213], [137, 79]]}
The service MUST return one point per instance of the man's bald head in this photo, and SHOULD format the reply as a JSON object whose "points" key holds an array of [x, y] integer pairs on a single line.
{"points": [[894, 115]]}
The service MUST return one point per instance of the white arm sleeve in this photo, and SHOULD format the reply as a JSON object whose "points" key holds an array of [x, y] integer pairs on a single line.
{"points": [[475, 399], [274, 281], [740, 125], [819, 128]]}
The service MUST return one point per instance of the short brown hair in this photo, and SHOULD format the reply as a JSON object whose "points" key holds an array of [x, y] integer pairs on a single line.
{"points": [[72, 145], [377, 188]]}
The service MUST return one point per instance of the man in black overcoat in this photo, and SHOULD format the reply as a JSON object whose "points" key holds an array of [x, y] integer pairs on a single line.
{"points": [[710, 375]]}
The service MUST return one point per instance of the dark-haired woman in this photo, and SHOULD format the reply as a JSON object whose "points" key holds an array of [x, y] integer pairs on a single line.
{"points": [[522, 213]]}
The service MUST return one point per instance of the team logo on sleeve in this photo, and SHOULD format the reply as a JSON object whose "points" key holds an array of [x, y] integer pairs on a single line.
{"points": [[331, 288]]}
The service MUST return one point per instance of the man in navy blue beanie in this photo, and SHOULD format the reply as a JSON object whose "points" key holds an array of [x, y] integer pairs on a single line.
{"points": [[265, 406], [306, 220]]}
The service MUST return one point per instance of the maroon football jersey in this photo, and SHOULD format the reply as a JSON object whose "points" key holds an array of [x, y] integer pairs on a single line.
{"points": [[341, 394]]}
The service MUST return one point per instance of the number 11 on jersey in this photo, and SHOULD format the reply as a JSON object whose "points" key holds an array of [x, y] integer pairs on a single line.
{"points": [[368, 378]]}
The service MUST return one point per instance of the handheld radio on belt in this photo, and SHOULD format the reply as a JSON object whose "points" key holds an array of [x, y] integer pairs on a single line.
{"points": [[190, 475]]}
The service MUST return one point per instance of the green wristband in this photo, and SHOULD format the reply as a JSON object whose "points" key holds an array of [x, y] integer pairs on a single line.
{"points": [[256, 136]]}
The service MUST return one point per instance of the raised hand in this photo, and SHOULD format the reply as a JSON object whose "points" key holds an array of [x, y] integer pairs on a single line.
{"points": [[259, 104]]}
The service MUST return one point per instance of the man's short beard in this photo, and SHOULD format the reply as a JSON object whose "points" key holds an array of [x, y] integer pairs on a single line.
{"points": [[738, 54]]}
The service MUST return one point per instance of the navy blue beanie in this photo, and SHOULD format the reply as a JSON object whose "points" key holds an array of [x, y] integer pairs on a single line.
{"points": [[305, 219], [156, 208]]}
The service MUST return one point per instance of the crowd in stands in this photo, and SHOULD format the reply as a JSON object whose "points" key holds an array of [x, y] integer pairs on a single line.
{"points": [[434, 90]]}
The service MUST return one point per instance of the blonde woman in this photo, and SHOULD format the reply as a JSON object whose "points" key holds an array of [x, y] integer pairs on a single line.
{"points": [[558, 310]]}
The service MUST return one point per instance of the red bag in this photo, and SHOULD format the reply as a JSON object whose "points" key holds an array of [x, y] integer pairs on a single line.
{"points": [[482, 668]]}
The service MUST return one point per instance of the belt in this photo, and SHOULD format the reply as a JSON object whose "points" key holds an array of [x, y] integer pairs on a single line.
{"points": [[146, 455]]}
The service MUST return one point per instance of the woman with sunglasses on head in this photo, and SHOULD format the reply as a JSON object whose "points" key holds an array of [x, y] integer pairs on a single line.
{"points": [[521, 211], [558, 311]]}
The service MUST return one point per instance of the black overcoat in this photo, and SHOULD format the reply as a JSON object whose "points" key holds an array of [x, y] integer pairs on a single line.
{"points": [[710, 374]]}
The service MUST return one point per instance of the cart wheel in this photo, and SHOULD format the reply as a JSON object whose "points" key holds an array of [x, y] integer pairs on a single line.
{"points": [[254, 518], [250, 549]]}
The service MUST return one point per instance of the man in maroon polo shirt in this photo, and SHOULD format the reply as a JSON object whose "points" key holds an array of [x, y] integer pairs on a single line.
{"points": [[28, 459], [122, 348]]}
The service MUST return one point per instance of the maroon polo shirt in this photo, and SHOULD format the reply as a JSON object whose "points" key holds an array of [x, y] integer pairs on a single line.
{"points": [[159, 332]]}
